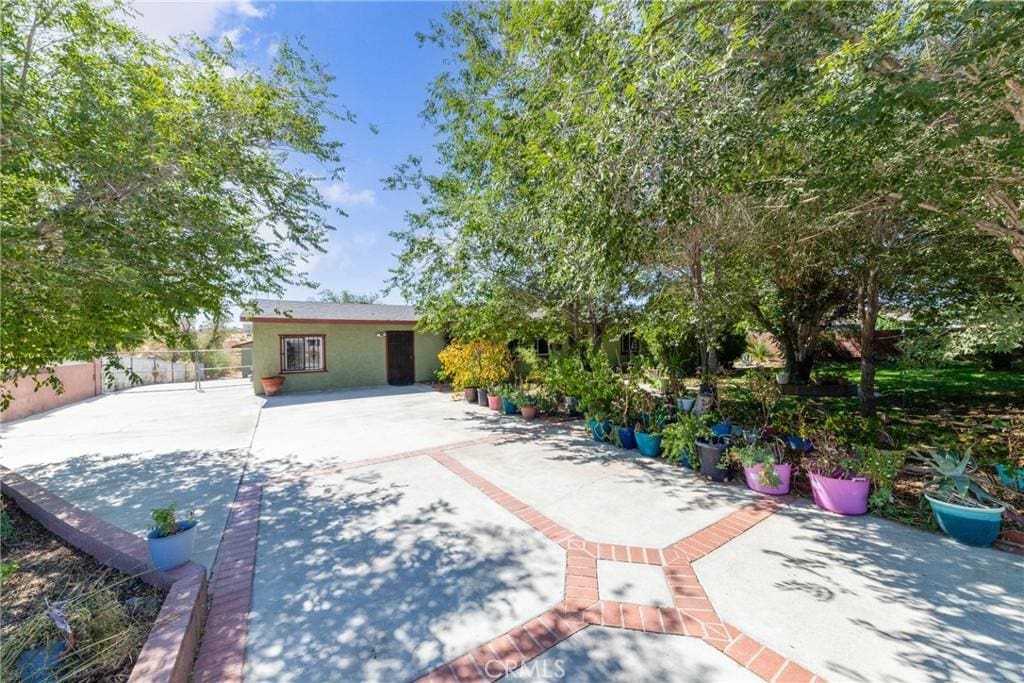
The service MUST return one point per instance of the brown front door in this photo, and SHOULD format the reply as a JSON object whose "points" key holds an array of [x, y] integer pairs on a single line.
{"points": [[400, 358]]}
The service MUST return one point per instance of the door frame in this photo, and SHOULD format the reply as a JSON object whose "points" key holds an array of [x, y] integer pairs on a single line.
{"points": [[387, 358]]}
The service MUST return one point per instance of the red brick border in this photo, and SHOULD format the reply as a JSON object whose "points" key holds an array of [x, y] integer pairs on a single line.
{"points": [[692, 613], [222, 653], [170, 648]]}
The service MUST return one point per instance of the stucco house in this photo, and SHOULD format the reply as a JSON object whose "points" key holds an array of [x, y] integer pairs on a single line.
{"points": [[318, 346]]}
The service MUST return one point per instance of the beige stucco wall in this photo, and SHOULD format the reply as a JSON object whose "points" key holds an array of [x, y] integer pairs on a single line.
{"points": [[80, 380], [355, 354]]}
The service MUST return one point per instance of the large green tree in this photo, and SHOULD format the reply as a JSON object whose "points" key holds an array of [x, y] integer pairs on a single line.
{"points": [[143, 182]]}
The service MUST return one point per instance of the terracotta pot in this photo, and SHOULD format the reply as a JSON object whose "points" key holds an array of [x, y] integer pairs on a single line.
{"points": [[529, 412], [272, 385], [469, 393]]}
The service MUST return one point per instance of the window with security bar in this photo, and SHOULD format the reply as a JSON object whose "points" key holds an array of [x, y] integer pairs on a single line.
{"points": [[302, 353]]}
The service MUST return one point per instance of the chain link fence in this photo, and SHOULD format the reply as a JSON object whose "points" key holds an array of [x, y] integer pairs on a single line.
{"points": [[176, 366]]}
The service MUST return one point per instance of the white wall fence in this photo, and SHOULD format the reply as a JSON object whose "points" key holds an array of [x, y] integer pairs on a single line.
{"points": [[187, 366]]}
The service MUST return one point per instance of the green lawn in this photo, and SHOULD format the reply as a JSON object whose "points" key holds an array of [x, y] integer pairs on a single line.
{"points": [[961, 383]]}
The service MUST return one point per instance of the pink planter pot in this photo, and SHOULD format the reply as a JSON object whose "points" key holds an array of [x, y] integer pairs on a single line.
{"points": [[843, 496], [493, 402], [753, 477], [529, 412]]}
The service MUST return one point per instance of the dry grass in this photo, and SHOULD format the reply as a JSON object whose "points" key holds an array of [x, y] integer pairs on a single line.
{"points": [[110, 614]]}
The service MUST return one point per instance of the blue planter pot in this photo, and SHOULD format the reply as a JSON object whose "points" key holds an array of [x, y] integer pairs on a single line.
{"points": [[599, 431], [798, 444], [685, 461], [722, 429], [508, 407], [627, 439], [648, 444], [169, 552], [1014, 477], [971, 526]]}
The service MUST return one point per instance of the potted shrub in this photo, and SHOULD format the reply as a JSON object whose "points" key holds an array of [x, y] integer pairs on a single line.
{"points": [[508, 399], [961, 507], [171, 539], [764, 467], [714, 463], [474, 364], [494, 399], [272, 385], [836, 483], [599, 426], [648, 433], [527, 401], [679, 440]]}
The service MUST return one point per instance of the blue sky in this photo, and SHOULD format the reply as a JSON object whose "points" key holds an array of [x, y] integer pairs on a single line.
{"points": [[382, 75]]}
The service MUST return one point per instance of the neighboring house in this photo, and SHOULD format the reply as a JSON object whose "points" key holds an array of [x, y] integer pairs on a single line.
{"points": [[620, 350], [319, 346]]}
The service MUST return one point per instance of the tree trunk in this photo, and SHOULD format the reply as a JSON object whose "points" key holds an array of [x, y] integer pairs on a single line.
{"points": [[867, 310]]}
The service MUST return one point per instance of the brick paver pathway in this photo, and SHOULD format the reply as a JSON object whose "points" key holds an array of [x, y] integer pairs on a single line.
{"points": [[222, 655]]}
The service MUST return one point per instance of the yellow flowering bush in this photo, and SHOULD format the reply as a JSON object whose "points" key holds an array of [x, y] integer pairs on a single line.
{"points": [[476, 363]]}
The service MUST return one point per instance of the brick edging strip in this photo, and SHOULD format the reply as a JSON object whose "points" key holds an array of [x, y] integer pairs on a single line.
{"points": [[692, 613], [222, 653], [171, 645]]}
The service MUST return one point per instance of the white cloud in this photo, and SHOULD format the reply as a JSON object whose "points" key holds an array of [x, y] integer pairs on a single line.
{"points": [[341, 194], [234, 35], [247, 8], [162, 19]]}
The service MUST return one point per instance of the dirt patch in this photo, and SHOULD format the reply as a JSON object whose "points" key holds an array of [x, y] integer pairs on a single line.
{"points": [[110, 613]]}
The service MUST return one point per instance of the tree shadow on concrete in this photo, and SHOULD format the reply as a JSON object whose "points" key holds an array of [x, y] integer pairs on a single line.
{"points": [[364, 577], [600, 655], [570, 442], [968, 611], [123, 488]]}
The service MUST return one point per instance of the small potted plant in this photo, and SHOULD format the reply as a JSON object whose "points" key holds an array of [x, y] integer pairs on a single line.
{"points": [[648, 433], [764, 467], [527, 402], [171, 539], [679, 440], [836, 484], [713, 458], [961, 507], [494, 399], [508, 398], [272, 385]]}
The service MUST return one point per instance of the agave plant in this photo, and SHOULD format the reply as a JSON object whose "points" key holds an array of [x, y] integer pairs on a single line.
{"points": [[952, 478]]}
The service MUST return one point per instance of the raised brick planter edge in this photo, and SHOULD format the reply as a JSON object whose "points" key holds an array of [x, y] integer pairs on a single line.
{"points": [[168, 652]]}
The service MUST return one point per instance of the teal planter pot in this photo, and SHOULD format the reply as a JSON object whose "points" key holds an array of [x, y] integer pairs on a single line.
{"points": [[599, 431], [971, 526], [508, 407], [648, 444], [1011, 477]]}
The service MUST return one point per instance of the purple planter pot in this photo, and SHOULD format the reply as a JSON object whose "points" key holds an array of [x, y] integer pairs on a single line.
{"points": [[753, 477], [842, 496]]}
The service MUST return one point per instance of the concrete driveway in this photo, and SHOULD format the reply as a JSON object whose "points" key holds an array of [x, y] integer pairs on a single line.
{"points": [[402, 535]]}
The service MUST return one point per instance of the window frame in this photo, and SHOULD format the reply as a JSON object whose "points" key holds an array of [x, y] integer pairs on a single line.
{"points": [[547, 347], [281, 339]]}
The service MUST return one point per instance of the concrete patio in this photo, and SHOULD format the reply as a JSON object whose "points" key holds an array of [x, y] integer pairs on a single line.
{"points": [[400, 532]]}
